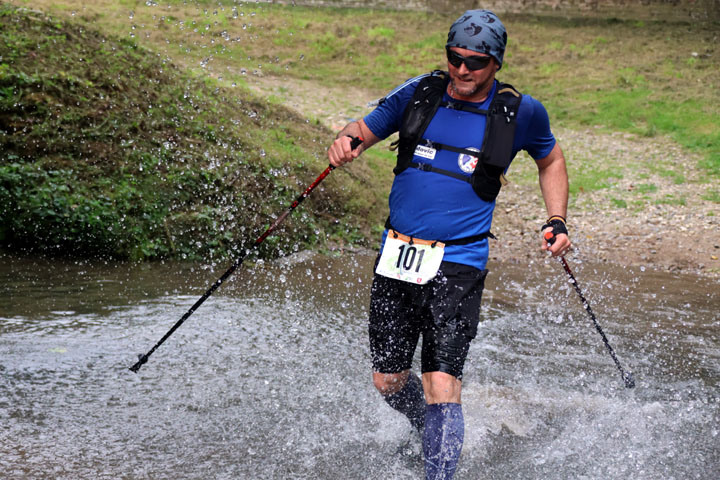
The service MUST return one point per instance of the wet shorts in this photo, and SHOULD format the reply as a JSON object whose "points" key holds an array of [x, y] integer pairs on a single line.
{"points": [[446, 311]]}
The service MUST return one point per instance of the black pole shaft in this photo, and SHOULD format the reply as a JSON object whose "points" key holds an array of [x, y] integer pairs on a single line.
{"points": [[144, 358], [626, 376]]}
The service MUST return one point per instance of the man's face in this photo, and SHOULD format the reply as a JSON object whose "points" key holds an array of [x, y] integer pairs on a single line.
{"points": [[469, 84]]}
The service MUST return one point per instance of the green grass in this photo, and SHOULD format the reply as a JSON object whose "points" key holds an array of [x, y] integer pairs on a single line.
{"points": [[618, 202], [671, 199], [712, 196], [692, 123], [667, 171], [110, 149], [588, 180], [646, 188]]}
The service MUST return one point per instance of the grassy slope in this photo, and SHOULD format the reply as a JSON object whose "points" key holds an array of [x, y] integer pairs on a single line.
{"points": [[651, 78], [109, 148]]}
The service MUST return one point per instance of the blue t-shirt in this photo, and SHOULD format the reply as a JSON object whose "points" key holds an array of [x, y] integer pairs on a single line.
{"points": [[432, 206]]}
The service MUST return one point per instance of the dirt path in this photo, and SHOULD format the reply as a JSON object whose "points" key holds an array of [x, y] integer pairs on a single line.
{"points": [[651, 212], [646, 218]]}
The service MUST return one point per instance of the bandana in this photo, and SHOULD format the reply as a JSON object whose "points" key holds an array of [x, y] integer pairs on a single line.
{"points": [[480, 31]]}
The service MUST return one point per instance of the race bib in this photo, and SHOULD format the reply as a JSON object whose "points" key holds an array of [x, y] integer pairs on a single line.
{"points": [[410, 260]]}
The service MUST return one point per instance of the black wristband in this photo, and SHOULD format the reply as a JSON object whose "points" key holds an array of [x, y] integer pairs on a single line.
{"points": [[558, 226]]}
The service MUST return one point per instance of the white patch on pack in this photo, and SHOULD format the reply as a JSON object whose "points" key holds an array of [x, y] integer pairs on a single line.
{"points": [[425, 152], [467, 163]]}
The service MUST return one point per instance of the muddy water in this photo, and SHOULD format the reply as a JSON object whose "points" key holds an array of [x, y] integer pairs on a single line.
{"points": [[269, 378]]}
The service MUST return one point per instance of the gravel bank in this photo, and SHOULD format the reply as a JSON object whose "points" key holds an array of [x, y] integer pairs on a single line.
{"points": [[651, 214]]}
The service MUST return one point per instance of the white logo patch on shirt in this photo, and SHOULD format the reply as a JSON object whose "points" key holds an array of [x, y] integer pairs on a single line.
{"points": [[425, 152], [467, 163]]}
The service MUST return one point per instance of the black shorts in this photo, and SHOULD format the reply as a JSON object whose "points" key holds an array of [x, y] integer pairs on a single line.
{"points": [[446, 311]]}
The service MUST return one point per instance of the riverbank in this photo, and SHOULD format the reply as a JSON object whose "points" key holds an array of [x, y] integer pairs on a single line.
{"points": [[109, 149], [668, 226]]}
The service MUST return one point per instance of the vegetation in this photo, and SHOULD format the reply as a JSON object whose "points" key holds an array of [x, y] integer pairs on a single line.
{"points": [[108, 148], [146, 141]]}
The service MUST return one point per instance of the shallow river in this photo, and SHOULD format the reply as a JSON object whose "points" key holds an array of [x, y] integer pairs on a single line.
{"points": [[269, 379]]}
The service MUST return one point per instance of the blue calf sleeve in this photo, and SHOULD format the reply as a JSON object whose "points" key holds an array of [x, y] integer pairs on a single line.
{"points": [[410, 401], [443, 440]]}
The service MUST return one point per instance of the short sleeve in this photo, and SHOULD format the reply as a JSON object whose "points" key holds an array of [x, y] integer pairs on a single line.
{"points": [[386, 118], [533, 128]]}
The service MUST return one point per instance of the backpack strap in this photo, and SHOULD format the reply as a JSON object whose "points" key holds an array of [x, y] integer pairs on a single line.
{"points": [[418, 114], [500, 127]]}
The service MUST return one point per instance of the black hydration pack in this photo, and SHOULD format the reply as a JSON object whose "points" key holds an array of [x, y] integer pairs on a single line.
{"points": [[496, 152]]}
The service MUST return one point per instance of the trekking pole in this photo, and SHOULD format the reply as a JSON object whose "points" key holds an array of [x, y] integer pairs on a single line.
{"points": [[356, 141], [626, 375]]}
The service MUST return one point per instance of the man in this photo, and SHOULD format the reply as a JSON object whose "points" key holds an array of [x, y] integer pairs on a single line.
{"points": [[459, 131]]}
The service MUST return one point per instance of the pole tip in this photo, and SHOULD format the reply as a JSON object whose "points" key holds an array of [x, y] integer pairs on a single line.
{"points": [[629, 380], [142, 360]]}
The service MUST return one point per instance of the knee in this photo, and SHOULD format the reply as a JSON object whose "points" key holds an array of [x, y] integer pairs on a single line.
{"points": [[441, 387], [390, 383]]}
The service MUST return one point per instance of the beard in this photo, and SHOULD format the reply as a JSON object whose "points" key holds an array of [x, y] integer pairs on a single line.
{"points": [[466, 89], [471, 85]]}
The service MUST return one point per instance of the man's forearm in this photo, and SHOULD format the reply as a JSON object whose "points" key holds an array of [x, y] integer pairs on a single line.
{"points": [[353, 129], [553, 180], [358, 128]]}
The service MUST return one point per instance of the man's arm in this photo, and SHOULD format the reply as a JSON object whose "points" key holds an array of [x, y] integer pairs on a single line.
{"points": [[554, 187], [340, 152]]}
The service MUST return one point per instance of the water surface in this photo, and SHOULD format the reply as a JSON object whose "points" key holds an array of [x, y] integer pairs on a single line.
{"points": [[270, 377]]}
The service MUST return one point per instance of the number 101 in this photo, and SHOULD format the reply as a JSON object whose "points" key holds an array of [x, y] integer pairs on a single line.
{"points": [[408, 255]]}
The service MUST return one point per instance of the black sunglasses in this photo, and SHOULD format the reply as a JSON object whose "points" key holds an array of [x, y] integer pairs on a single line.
{"points": [[474, 62]]}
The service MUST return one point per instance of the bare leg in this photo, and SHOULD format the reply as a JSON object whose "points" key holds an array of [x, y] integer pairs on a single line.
{"points": [[403, 391]]}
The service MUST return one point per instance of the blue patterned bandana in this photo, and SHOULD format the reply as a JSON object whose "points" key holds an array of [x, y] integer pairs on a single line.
{"points": [[480, 31]]}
